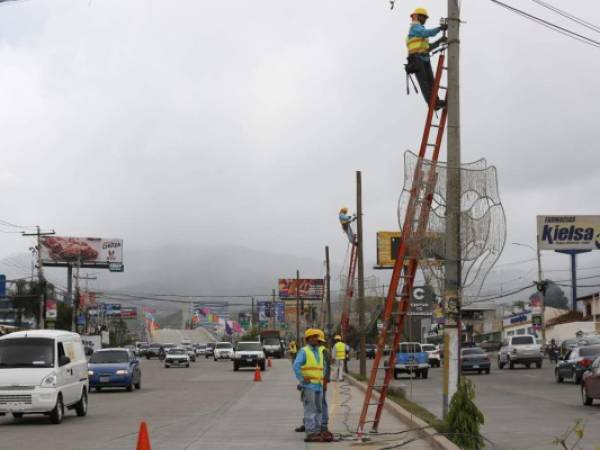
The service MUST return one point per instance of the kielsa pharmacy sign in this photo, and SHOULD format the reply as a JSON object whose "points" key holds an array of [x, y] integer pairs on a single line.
{"points": [[568, 232]]}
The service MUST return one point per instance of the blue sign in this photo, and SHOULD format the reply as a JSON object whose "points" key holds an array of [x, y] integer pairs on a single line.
{"points": [[2, 285], [81, 319]]}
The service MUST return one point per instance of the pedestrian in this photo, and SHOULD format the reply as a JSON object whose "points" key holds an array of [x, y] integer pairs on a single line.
{"points": [[339, 355], [346, 223], [419, 47], [309, 368], [293, 350]]}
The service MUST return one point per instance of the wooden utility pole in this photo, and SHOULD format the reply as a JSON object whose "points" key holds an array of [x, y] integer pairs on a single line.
{"points": [[41, 280], [298, 341], [452, 288], [361, 277], [328, 298], [274, 311]]}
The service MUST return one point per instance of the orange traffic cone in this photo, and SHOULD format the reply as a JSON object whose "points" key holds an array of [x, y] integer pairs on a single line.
{"points": [[257, 376], [143, 442], [269, 364]]}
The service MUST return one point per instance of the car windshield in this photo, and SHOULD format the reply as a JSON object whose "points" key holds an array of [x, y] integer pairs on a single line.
{"points": [[473, 351], [109, 357], [249, 347], [202, 346], [211, 345], [428, 347], [410, 348], [26, 352], [177, 351], [271, 341], [523, 340], [224, 345], [589, 352]]}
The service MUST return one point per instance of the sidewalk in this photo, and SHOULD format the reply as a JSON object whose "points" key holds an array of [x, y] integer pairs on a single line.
{"points": [[264, 418]]}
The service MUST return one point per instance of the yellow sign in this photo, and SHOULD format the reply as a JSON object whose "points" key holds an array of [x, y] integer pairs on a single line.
{"points": [[388, 243]]}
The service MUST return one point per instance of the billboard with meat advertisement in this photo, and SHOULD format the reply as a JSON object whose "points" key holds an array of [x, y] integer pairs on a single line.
{"points": [[306, 288], [60, 251]]}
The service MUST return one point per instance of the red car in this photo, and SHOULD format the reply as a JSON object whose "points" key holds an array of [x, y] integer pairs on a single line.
{"points": [[590, 383]]}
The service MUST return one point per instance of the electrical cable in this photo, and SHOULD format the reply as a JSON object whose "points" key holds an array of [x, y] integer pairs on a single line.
{"points": [[568, 15], [552, 26]]}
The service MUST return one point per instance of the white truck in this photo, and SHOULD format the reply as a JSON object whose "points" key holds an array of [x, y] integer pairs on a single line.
{"points": [[522, 349]]}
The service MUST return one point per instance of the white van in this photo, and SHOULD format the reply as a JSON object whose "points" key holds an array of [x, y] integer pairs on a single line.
{"points": [[42, 372]]}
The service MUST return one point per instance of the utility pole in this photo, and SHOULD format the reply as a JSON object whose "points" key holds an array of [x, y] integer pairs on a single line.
{"points": [[328, 298], [87, 278], [252, 314], [76, 299], [274, 311], [541, 289], [361, 277], [41, 280], [298, 309], [452, 288]]}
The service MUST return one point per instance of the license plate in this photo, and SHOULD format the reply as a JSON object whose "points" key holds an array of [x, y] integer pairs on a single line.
{"points": [[476, 366], [248, 359], [104, 379]]}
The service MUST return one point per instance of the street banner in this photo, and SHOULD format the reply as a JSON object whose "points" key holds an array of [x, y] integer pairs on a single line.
{"points": [[128, 312], [307, 289], [87, 252], [568, 232]]}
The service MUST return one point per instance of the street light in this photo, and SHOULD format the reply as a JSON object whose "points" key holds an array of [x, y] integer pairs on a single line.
{"points": [[539, 284]]}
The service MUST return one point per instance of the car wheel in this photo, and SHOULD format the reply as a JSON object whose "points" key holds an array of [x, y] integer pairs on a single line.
{"points": [[167, 366], [81, 406], [17, 415], [236, 367], [479, 372], [587, 401], [577, 378], [557, 377], [138, 385], [487, 371], [262, 367], [424, 374], [500, 364], [528, 366], [57, 414], [147, 357], [511, 364], [396, 375], [538, 364], [130, 386], [98, 389]]}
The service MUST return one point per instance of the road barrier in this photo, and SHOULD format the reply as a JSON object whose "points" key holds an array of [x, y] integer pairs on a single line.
{"points": [[257, 376]]}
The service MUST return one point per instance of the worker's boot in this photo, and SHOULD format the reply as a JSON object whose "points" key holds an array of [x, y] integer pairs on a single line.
{"points": [[326, 436], [313, 437], [440, 104], [300, 429]]}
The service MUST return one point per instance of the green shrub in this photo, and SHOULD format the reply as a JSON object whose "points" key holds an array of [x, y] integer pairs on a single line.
{"points": [[464, 418]]}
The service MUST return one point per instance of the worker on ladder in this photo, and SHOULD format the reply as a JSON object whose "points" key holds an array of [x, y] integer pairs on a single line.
{"points": [[346, 222], [339, 354], [419, 47]]}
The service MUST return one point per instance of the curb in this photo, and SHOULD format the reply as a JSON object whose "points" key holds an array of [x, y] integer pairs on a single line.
{"points": [[435, 440]]}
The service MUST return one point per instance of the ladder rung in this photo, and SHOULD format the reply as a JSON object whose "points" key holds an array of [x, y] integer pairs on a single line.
{"points": [[373, 404], [445, 67], [430, 145], [442, 87], [434, 125]]}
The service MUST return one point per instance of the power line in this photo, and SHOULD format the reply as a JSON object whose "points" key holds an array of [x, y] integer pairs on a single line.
{"points": [[552, 26], [568, 15]]}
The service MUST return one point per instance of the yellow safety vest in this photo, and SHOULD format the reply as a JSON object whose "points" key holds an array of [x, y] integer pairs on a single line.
{"points": [[417, 45], [340, 350], [313, 369]]}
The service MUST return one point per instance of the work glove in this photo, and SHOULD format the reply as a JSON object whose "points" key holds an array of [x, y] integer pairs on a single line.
{"points": [[443, 26]]}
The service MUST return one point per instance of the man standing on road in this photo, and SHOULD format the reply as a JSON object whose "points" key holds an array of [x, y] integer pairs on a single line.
{"points": [[339, 354], [309, 368]]}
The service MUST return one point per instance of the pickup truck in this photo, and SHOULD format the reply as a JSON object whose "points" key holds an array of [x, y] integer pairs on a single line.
{"points": [[411, 358], [522, 349]]}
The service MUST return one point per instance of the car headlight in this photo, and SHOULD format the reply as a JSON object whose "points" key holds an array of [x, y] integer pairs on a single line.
{"points": [[49, 380], [122, 372], [90, 372]]}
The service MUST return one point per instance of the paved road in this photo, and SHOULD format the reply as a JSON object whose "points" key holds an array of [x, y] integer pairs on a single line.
{"points": [[524, 408]]}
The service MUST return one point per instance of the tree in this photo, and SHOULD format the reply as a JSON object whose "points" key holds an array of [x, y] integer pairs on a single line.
{"points": [[555, 296], [464, 418]]}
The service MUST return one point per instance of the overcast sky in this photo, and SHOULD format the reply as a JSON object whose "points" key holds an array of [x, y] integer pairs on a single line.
{"points": [[238, 122]]}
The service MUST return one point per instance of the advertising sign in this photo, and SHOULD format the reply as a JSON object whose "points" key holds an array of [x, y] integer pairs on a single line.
{"points": [[388, 242], [568, 232], [59, 251], [112, 309], [266, 310], [51, 311], [421, 302], [308, 288], [128, 312]]}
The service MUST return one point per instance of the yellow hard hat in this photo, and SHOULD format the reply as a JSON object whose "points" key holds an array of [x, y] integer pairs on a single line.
{"points": [[338, 337], [311, 332], [420, 12], [321, 335], [344, 209]]}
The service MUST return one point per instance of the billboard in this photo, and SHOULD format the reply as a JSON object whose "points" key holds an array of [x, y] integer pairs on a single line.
{"points": [[128, 312], [568, 232], [267, 310], [60, 251], [307, 289], [388, 243]]}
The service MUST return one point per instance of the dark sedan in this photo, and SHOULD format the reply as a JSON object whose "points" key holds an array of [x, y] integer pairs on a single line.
{"points": [[474, 359], [575, 363], [590, 383], [114, 367]]}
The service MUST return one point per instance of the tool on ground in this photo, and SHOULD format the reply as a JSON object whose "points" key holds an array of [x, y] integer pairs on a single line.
{"points": [[143, 441], [407, 260]]}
